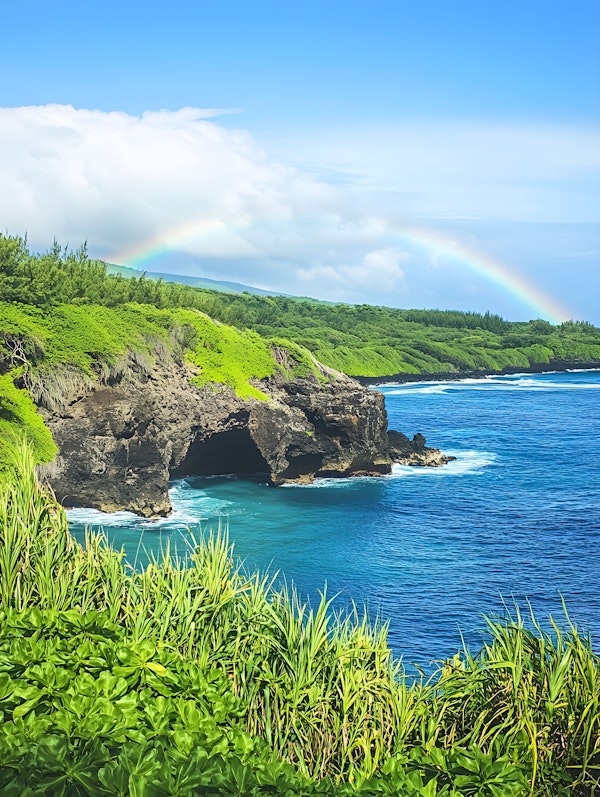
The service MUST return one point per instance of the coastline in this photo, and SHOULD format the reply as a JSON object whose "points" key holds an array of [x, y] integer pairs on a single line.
{"points": [[554, 366]]}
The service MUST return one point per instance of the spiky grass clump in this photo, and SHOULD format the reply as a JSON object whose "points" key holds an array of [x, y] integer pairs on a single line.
{"points": [[519, 717], [527, 689], [323, 695]]}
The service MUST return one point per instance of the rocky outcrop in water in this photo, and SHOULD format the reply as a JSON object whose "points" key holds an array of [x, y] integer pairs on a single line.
{"points": [[121, 441], [415, 452]]}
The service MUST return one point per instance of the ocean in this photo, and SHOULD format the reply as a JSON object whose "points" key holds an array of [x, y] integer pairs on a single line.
{"points": [[515, 520]]}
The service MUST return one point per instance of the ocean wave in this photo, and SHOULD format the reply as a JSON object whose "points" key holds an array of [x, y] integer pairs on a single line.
{"points": [[337, 482], [527, 383], [402, 387], [415, 389], [466, 462], [440, 386], [391, 387], [82, 516], [430, 390], [581, 370], [505, 382], [94, 519], [191, 507]]}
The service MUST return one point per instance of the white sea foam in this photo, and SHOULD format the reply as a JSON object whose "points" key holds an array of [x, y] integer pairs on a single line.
{"points": [[429, 390], [432, 387], [96, 519], [500, 382], [581, 370], [191, 507], [391, 388], [465, 462], [337, 482], [416, 388], [527, 383], [93, 517]]}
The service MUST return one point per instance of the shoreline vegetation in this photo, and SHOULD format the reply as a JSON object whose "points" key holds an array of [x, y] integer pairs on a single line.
{"points": [[194, 677]]}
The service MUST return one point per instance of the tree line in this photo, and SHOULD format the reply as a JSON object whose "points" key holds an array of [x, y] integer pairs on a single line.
{"points": [[361, 339]]}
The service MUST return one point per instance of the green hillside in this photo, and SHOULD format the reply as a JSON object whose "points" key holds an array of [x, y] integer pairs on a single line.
{"points": [[64, 321], [43, 350], [186, 279], [361, 340]]}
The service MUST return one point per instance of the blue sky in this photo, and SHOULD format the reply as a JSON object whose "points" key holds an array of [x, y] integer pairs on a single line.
{"points": [[327, 130]]}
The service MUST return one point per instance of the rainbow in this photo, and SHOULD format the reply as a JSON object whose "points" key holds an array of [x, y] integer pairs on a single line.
{"points": [[438, 246], [151, 248]]}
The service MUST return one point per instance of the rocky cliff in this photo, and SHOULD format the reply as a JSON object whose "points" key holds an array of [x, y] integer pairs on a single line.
{"points": [[121, 440]]}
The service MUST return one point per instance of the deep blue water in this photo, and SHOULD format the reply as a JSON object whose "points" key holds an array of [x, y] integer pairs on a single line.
{"points": [[516, 517]]}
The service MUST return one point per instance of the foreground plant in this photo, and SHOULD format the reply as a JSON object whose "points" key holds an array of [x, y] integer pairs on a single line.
{"points": [[192, 677]]}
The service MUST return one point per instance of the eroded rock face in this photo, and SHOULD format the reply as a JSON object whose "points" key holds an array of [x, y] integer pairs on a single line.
{"points": [[333, 428], [120, 443]]}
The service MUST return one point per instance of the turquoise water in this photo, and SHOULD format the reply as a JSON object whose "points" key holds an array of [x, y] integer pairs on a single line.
{"points": [[516, 517]]}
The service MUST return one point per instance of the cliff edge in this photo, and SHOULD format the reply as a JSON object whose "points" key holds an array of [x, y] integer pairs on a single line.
{"points": [[120, 441]]}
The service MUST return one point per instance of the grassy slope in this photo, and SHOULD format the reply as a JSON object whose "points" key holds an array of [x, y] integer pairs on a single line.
{"points": [[205, 680], [18, 414], [380, 341], [44, 348]]}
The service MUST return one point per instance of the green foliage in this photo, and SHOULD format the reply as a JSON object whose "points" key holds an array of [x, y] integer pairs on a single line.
{"points": [[457, 771], [63, 317], [81, 337], [192, 677], [91, 338], [359, 340], [52, 347], [225, 355], [18, 417], [45, 351], [88, 711], [294, 360]]}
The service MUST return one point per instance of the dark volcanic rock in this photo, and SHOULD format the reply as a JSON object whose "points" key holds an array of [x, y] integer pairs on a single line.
{"points": [[120, 443], [415, 452], [332, 428], [117, 442]]}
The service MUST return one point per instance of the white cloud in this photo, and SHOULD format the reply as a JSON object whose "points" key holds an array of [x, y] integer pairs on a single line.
{"points": [[179, 181], [378, 274], [383, 266], [117, 179], [183, 182]]}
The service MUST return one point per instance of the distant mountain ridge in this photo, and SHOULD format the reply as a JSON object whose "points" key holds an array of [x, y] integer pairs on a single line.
{"points": [[197, 282]]}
